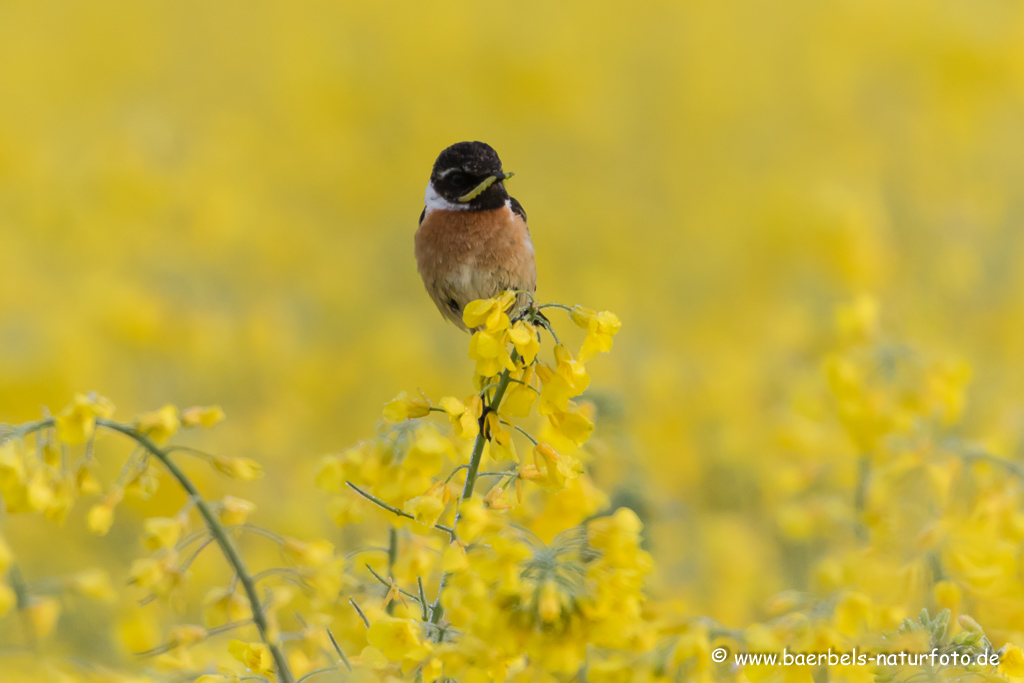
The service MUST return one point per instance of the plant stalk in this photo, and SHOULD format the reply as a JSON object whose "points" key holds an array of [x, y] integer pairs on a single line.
{"points": [[220, 534], [436, 611]]}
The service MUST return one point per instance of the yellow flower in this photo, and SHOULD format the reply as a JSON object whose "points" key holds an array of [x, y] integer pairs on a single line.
{"points": [[454, 558], [427, 508], [202, 416], [12, 465], [600, 327], [330, 475], [853, 612], [52, 453], [139, 630], [101, 515], [326, 580], [432, 670], [579, 500], [573, 425], [77, 422], [239, 468], [464, 419], [159, 573], [490, 351], [86, 479], [222, 606], [235, 510], [947, 595], [617, 537], [62, 501], [404, 407], [426, 452], [1011, 661], [489, 314], [476, 519], [567, 380], [163, 532], [982, 563], [526, 339], [143, 485], [520, 396], [550, 469], [42, 615], [493, 500], [347, 509], [100, 518], [39, 490], [500, 439], [159, 425], [398, 639], [255, 657]]}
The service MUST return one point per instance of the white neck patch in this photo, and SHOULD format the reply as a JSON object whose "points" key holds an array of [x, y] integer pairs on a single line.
{"points": [[435, 201]]}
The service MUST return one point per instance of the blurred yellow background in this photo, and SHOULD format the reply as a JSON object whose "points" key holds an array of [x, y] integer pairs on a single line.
{"points": [[215, 203]]}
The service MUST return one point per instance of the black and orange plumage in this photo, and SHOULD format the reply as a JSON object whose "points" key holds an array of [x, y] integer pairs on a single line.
{"points": [[472, 241]]}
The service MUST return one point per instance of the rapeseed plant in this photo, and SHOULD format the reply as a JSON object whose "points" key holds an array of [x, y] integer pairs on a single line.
{"points": [[477, 581], [214, 203]]}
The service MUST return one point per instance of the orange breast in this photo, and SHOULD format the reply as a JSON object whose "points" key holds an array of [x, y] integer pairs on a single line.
{"points": [[467, 255]]}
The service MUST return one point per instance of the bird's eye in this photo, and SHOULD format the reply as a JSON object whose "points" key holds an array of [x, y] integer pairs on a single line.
{"points": [[458, 177]]}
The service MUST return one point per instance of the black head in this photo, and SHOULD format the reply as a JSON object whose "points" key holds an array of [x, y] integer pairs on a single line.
{"points": [[468, 175]]}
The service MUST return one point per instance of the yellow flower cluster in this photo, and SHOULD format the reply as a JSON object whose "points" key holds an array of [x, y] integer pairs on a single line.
{"points": [[532, 590], [214, 202], [500, 566]]}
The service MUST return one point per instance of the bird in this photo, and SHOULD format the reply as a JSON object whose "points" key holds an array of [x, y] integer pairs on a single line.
{"points": [[472, 241]]}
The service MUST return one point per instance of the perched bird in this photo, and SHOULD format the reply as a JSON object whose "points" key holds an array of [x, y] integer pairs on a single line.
{"points": [[472, 241]]}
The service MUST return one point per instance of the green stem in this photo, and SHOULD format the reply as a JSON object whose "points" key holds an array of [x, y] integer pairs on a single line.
{"points": [[391, 584], [454, 472], [521, 431], [1010, 466], [18, 586], [29, 427], [219, 533], [22, 599], [392, 557], [392, 551], [528, 386], [436, 611], [337, 648], [474, 467], [391, 508], [366, 622], [317, 672], [217, 630], [481, 438], [423, 597]]}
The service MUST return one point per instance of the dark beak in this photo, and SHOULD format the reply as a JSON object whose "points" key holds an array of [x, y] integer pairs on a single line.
{"points": [[503, 175]]}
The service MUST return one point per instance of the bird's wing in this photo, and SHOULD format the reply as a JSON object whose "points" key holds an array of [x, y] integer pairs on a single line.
{"points": [[517, 208]]}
